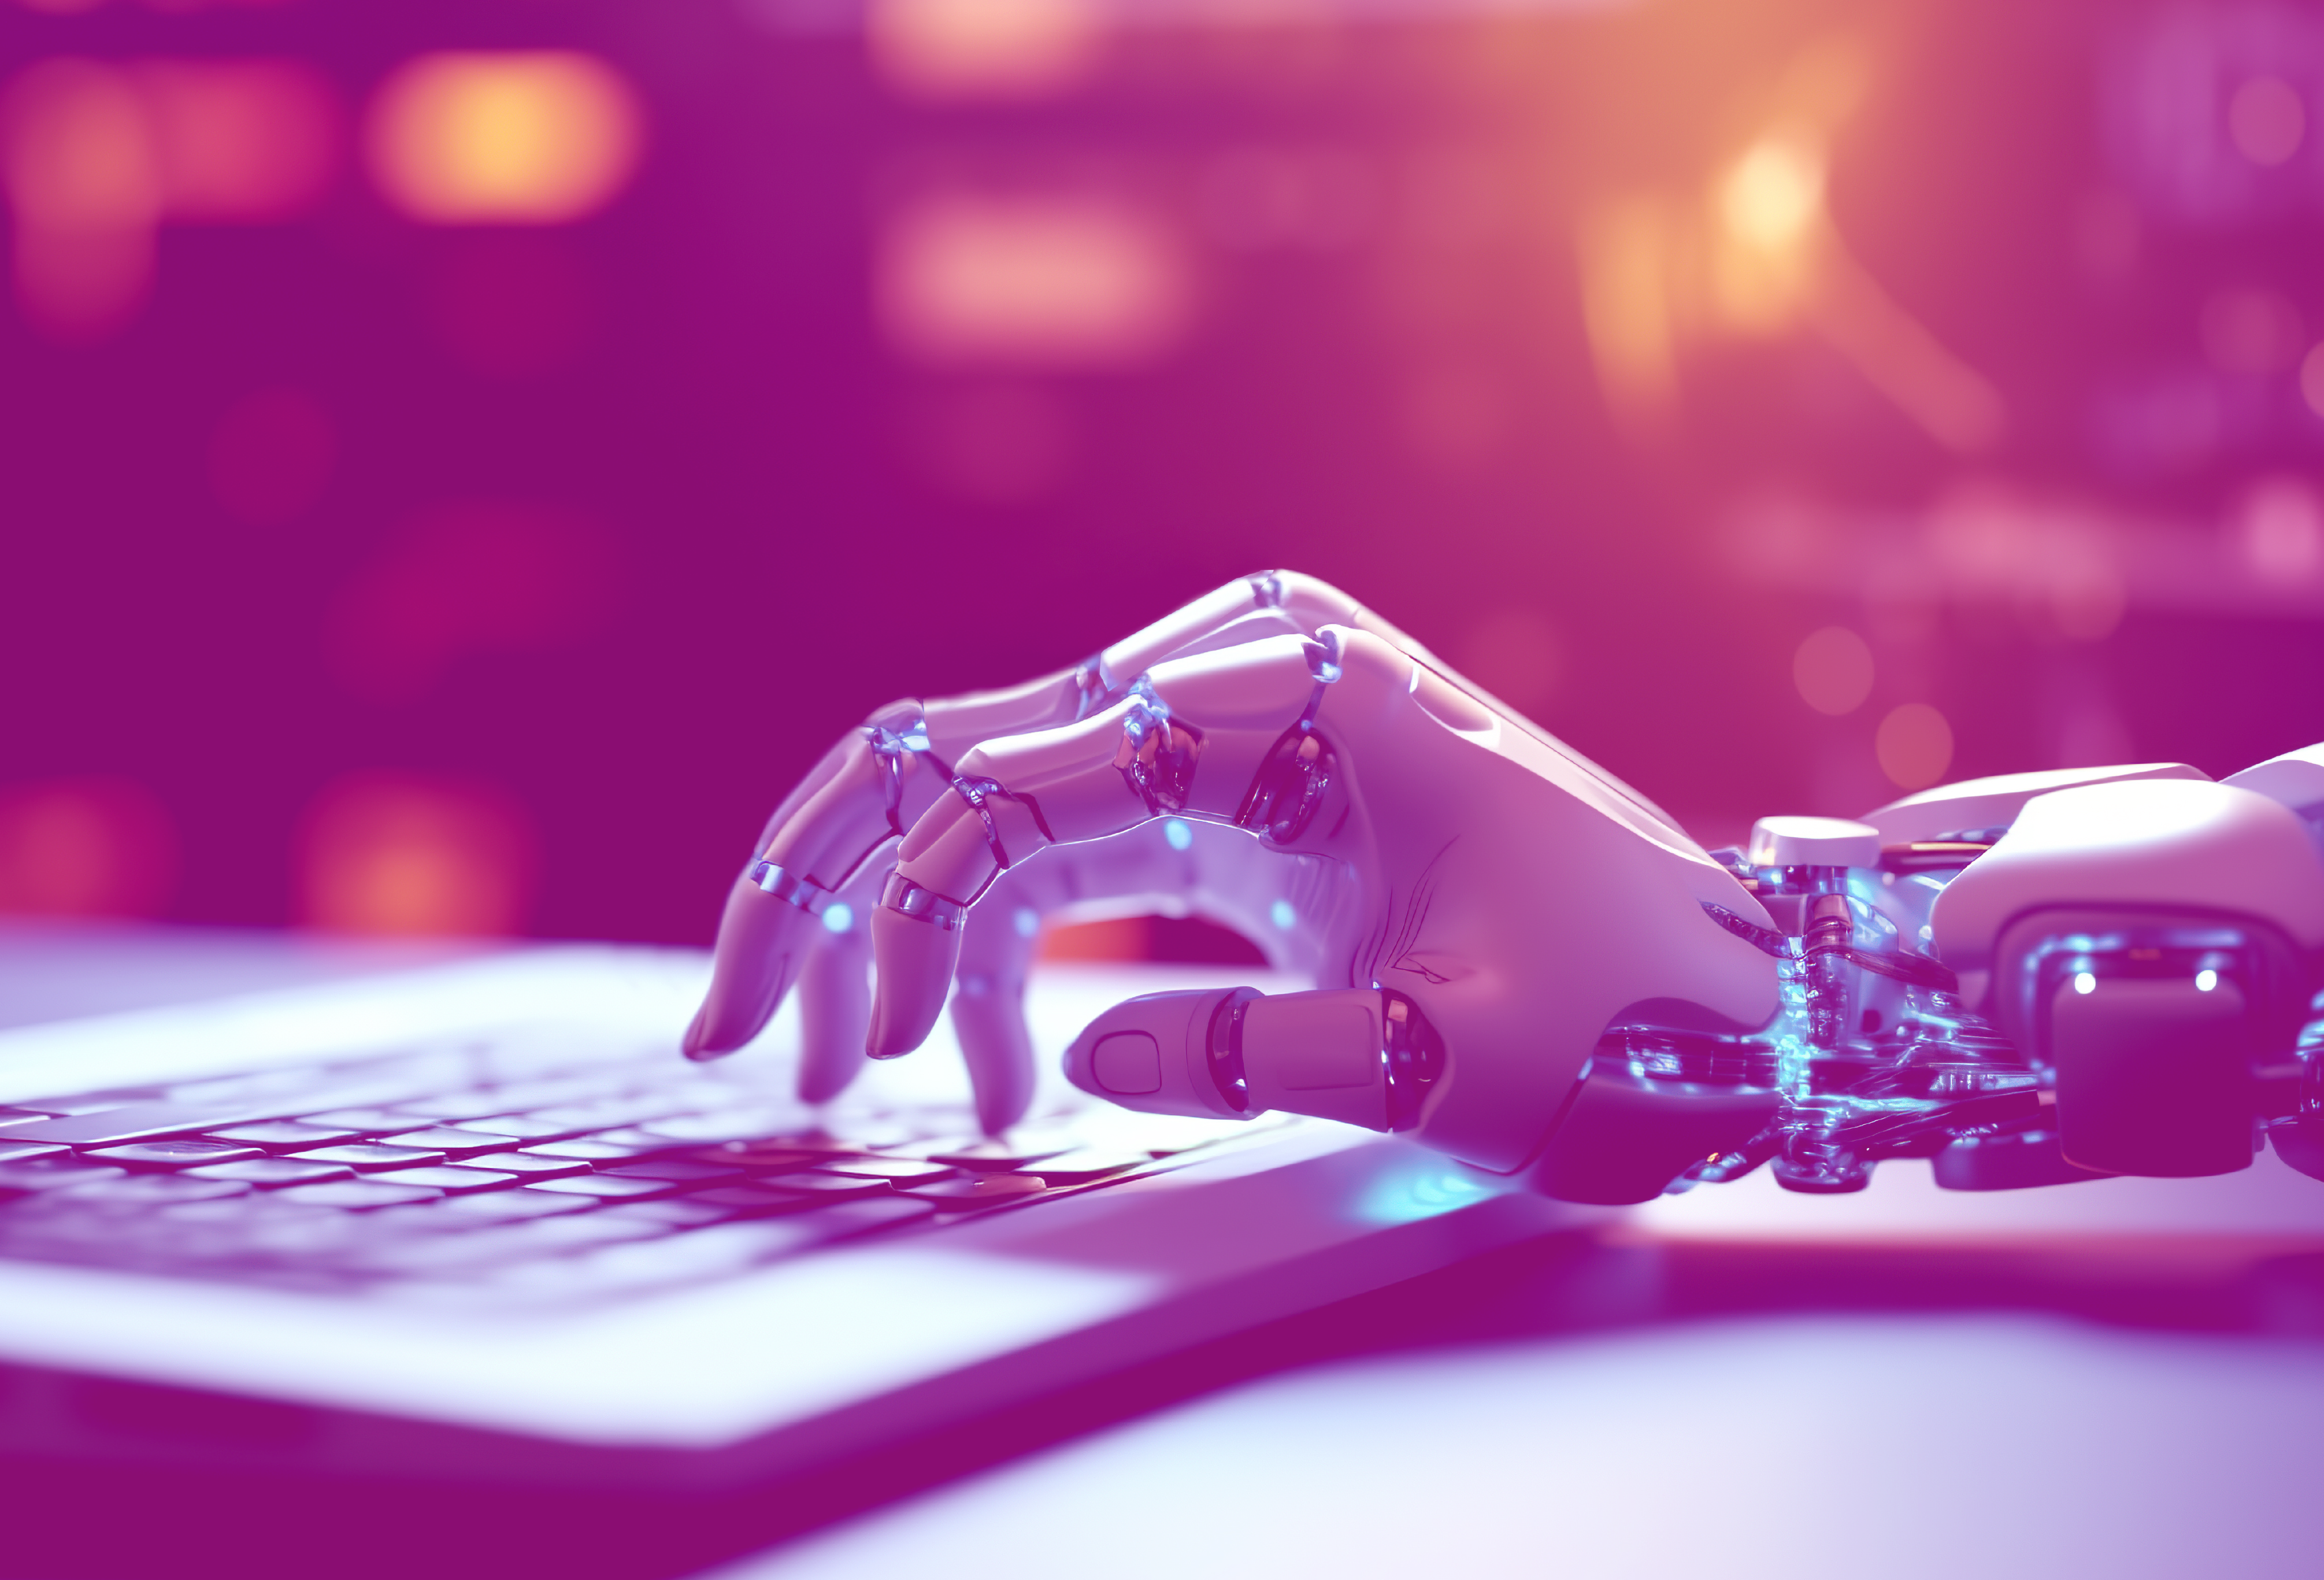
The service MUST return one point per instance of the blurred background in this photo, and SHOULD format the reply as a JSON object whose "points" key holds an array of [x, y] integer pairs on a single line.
{"points": [[459, 463]]}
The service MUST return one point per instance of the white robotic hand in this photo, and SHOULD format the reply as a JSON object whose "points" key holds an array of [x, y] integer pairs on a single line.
{"points": [[1523, 962], [1482, 903]]}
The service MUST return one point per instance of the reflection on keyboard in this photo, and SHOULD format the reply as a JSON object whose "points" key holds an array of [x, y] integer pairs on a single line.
{"points": [[493, 1171]]}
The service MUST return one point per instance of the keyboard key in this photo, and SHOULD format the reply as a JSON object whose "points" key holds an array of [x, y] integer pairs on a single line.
{"points": [[613, 1225], [510, 1205], [736, 1124], [807, 1146], [450, 1181], [114, 1102], [10, 1114], [456, 1106], [636, 1136], [755, 1201], [432, 1216], [371, 1157], [142, 1190], [498, 1247], [600, 1228], [850, 1218], [284, 1135], [983, 1191], [230, 1209], [898, 1168], [367, 1121], [775, 1154], [52, 1173], [604, 1148], [138, 1122], [1086, 1163], [928, 1147], [356, 1195], [13, 1151], [451, 1140], [519, 1127], [675, 1211], [607, 1188], [302, 1234], [272, 1173], [611, 1112], [823, 1187], [529, 1164], [174, 1154], [751, 1201], [681, 1171], [1000, 1153]]}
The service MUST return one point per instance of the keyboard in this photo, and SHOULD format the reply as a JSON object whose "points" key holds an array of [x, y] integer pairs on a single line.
{"points": [[504, 1171]]}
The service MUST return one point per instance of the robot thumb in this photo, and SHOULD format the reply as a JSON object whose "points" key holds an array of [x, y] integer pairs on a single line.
{"points": [[1362, 1056]]}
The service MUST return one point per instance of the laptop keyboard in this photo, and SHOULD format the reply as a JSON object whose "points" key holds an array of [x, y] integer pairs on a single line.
{"points": [[487, 1172]]}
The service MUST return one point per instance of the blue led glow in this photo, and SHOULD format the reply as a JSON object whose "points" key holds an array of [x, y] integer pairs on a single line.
{"points": [[2205, 981], [1409, 1195], [838, 916], [2085, 983], [1281, 914], [1175, 831], [1028, 921]]}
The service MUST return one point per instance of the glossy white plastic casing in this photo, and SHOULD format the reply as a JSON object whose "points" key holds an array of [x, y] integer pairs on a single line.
{"points": [[2156, 842], [2295, 780], [1994, 802], [1812, 842]]}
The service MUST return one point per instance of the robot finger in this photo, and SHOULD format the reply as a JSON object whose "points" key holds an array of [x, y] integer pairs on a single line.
{"points": [[1362, 1056], [827, 767], [988, 1005], [1271, 603], [1158, 866], [1252, 608], [862, 791], [835, 997], [762, 944], [955, 852], [1011, 798], [882, 781]]}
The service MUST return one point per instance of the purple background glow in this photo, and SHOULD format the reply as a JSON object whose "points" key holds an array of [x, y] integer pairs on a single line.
{"points": [[598, 532]]}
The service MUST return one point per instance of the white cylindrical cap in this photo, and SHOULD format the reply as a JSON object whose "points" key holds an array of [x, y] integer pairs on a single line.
{"points": [[1813, 842], [1320, 1053], [1151, 1053]]}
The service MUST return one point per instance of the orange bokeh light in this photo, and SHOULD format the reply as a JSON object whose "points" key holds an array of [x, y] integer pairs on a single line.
{"points": [[390, 854], [1914, 744], [95, 156], [1832, 669], [530, 138], [85, 848], [984, 49], [1061, 281], [2267, 120], [239, 140]]}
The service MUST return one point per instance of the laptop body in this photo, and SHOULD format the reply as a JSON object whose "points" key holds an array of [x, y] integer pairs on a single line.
{"points": [[721, 1356]]}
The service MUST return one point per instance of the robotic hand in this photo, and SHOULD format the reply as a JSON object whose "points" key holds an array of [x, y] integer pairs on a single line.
{"points": [[1524, 962]]}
